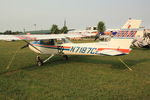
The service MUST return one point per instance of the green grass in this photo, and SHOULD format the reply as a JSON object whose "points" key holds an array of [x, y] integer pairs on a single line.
{"points": [[79, 78]]}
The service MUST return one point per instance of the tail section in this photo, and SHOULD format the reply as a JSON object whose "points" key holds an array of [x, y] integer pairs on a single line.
{"points": [[122, 41], [123, 38], [119, 44]]}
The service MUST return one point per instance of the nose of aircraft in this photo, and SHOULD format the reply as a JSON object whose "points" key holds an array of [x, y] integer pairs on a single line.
{"points": [[33, 47]]}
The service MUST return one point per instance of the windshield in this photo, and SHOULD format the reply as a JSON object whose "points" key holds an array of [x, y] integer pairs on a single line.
{"points": [[54, 41], [66, 40], [63, 40]]}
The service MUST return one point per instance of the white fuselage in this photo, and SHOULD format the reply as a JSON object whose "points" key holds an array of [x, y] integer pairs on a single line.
{"points": [[100, 48]]}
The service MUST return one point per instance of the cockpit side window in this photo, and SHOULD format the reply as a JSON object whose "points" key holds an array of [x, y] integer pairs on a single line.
{"points": [[47, 42], [62, 40], [52, 42]]}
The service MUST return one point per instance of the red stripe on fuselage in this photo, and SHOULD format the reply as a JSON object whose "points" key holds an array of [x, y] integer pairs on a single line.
{"points": [[121, 50]]}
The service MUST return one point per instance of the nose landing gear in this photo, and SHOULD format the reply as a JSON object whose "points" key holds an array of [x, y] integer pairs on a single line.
{"points": [[40, 62]]}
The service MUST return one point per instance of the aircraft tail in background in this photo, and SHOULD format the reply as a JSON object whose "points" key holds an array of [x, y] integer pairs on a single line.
{"points": [[125, 34], [132, 24]]}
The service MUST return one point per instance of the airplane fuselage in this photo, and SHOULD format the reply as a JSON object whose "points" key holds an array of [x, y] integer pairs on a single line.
{"points": [[99, 48]]}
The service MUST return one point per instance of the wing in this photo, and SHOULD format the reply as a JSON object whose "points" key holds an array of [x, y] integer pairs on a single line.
{"points": [[41, 37], [8, 37]]}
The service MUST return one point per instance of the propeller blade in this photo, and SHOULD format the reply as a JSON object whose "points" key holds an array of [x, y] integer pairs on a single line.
{"points": [[24, 46]]}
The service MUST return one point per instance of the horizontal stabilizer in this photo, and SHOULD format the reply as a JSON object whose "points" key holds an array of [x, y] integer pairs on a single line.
{"points": [[111, 53]]}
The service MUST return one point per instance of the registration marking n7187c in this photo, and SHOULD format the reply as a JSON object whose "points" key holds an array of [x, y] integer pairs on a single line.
{"points": [[85, 50]]}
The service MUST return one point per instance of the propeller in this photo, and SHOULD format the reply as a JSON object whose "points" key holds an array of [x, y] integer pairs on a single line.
{"points": [[24, 46]]}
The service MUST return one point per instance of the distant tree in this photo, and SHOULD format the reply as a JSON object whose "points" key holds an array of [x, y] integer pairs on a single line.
{"points": [[101, 27], [54, 29], [12, 33], [64, 29], [8, 32]]}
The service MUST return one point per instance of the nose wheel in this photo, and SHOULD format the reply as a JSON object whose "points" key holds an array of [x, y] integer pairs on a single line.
{"points": [[39, 61]]}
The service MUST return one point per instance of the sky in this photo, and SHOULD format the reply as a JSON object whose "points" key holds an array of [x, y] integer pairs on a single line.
{"points": [[17, 15]]}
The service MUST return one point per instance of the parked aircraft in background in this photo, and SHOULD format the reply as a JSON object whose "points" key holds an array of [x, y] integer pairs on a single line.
{"points": [[130, 24]]}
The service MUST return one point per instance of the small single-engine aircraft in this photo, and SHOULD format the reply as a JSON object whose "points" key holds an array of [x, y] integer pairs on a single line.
{"points": [[58, 44]]}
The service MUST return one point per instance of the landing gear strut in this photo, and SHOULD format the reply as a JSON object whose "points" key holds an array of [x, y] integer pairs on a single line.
{"points": [[40, 62]]}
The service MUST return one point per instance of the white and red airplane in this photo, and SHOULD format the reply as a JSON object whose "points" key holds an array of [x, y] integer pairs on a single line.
{"points": [[58, 44]]}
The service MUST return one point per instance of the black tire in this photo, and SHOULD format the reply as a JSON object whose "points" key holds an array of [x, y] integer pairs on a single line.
{"points": [[65, 57], [39, 63]]}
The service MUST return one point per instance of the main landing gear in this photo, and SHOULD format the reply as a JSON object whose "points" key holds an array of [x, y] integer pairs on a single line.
{"points": [[65, 57]]}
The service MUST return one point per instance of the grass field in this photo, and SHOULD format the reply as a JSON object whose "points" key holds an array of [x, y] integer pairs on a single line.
{"points": [[79, 78]]}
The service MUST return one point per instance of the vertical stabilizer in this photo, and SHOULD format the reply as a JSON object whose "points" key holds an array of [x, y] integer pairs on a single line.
{"points": [[132, 24]]}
